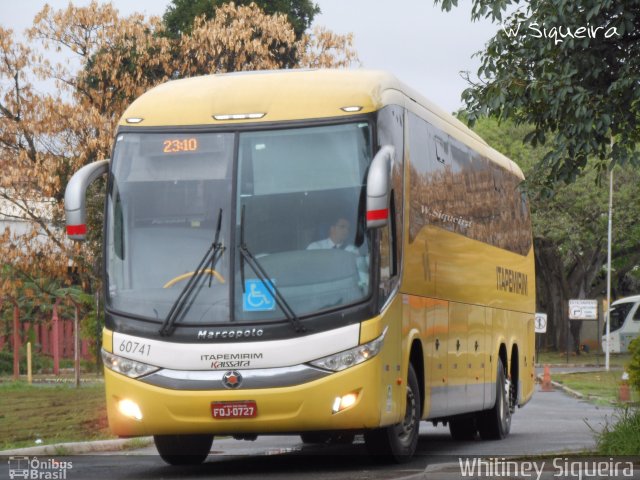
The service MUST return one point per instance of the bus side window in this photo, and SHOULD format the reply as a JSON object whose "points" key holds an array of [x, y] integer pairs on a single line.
{"points": [[390, 128], [386, 263], [636, 316]]}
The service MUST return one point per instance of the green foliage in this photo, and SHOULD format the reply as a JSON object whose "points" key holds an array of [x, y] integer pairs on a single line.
{"points": [[40, 363], [633, 368], [36, 298], [621, 438], [579, 95], [180, 14], [492, 9]]}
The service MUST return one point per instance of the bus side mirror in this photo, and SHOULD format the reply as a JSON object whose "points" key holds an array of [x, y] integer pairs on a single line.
{"points": [[379, 188], [74, 198]]}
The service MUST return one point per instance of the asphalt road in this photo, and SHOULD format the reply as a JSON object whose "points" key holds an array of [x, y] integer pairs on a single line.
{"points": [[552, 423]]}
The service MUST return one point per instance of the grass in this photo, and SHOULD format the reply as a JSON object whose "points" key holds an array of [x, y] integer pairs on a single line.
{"points": [[51, 413], [602, 387], [591, 358], [623, 437]]}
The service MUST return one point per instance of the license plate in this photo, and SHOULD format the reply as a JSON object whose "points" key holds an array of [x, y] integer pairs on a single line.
{"points": [[240, 409]]}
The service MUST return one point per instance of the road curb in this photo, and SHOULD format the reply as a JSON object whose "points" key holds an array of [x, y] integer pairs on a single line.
{"points": [[75, 448], [562, 387]]}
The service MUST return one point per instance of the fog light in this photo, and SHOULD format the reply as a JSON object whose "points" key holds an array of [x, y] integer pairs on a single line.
{"points": [[130, 409], [344, 402]]}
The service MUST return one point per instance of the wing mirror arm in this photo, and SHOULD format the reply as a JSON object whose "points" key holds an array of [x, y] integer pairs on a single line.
{"points": [[75, 198], [379, 187]]}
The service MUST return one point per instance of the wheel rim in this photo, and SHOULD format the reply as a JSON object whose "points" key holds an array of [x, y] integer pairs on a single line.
{"points": [[505, 407], [408, 425]]}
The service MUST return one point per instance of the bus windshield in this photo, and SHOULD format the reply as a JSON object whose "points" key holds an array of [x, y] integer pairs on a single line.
{"points": [[295, 190]]}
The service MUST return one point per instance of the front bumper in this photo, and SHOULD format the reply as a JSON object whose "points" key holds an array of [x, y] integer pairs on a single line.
{"points": [[290, 409]]}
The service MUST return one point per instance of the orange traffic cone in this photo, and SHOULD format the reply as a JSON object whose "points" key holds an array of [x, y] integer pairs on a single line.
{"points": [[546, 380]]}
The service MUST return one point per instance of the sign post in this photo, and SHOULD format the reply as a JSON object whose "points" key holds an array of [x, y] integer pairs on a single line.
{"points": [[581, 309], [540, 327]]}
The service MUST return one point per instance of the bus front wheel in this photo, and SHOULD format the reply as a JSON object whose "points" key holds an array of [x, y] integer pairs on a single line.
{"points": [[399, 442], [183, 449]]}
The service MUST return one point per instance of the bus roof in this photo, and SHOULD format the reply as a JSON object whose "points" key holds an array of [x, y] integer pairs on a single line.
{"points": [[631, 299], [285, 95]]}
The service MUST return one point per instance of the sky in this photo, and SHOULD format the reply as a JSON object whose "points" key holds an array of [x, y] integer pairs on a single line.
{"points": [[422, 46]]}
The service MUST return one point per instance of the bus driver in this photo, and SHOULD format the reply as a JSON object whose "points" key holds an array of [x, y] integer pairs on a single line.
{"points": [[339, 238]]}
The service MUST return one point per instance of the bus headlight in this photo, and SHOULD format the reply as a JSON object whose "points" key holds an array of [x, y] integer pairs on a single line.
{"points": [[125, 366], [351, 357]]}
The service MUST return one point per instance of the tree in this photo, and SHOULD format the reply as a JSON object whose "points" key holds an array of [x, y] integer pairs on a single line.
{"points": [[184, 17], [570, 69], [570, 229], [110, 60], [181, 14]]}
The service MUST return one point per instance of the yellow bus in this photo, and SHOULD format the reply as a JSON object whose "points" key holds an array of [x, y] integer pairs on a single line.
{"points": [[322, 253]]}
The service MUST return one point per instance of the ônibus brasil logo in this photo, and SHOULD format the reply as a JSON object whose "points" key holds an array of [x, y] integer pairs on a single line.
{"points": [[37, 469]]}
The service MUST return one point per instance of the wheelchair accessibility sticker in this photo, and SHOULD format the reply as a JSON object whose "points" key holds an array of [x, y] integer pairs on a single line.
{"points": [[257, 297]]}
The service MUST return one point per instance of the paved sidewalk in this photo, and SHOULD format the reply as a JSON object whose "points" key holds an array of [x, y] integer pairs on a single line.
{"points": [[74, 448]]}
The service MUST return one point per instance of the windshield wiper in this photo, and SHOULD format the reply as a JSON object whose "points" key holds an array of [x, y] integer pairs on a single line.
{"points": [[248, 257], [206, 265]]}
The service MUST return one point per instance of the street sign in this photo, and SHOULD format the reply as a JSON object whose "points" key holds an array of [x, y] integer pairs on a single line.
{"points": [[541, 323], [583, 309]]}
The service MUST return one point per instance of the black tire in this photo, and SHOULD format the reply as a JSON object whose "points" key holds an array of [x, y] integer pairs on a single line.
{"points": [[495, 423], [398, 442], [312, 438], [183, 449], [342, 438], [463, 428], [336, 438]]}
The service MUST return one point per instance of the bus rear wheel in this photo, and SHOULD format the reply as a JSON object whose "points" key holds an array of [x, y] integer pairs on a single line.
{"points": [[495, 423], [399, 442], [183, 449]]}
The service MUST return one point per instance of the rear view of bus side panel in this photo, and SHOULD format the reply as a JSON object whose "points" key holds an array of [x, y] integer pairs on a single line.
{"points": [[468, 243]]}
